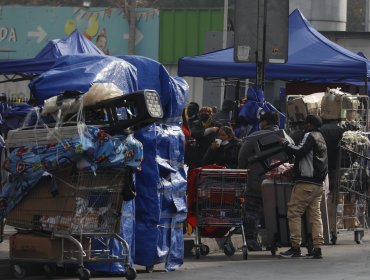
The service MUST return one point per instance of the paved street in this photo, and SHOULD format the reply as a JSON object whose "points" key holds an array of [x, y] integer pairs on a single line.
{"points": [[344, 261]]}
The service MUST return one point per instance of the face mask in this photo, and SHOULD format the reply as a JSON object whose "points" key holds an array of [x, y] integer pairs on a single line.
{"points": [[204, 117], [223, 143]]}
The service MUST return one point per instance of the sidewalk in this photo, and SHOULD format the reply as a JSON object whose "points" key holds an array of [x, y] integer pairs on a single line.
{"points": [[6, 273]]}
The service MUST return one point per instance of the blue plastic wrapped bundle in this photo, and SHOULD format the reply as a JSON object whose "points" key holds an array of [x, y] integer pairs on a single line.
{"points": [[28, 164], [161, 197], [250, 112], [89, 69]]}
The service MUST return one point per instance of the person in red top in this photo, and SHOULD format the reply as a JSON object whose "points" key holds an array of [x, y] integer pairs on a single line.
{"points": [[185, 125]]}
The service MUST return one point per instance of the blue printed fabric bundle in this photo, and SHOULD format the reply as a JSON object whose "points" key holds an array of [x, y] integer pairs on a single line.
{"points": [[92, 150]]}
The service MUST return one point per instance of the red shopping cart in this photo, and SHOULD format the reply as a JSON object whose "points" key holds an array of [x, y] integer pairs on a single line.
{"points": [[220, 194]]}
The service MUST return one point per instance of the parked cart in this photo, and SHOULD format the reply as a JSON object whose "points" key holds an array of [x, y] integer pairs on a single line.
{"points": [[63, 220], [220, 194]]}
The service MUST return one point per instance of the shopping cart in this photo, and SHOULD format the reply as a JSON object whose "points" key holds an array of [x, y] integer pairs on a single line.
{"points": [[219, 208], [63, 221]]}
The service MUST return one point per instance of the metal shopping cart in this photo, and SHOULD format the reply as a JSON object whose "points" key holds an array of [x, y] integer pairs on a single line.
{"points": [[219, 207], [56, 227]]}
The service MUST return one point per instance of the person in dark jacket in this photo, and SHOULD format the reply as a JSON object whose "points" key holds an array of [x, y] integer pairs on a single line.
{"points": [[204, 131], [310, 169], [224, 150], [332, 131], [192, 111], [269, 121]]}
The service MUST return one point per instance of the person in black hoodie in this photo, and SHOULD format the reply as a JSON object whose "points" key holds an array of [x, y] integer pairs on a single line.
{"points": [[204, 131], [310, 169], [254, 216], [224, 150]]}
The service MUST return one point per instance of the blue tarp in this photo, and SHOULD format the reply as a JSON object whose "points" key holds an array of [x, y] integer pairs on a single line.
{"points": [[75, 43], [161, 185], [310, 56], [78, 72], [161, 197]]}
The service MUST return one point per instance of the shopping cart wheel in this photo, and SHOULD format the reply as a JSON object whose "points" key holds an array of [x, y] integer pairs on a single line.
{"points": [[130, 273], [49, 270], [19, 271], [83, 273], [149, 268], [197, 252], [245, 252], [204, 250], [229, 249]]}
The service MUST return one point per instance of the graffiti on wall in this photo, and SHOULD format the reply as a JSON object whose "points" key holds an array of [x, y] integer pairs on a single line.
{"points": [[24, 31]]}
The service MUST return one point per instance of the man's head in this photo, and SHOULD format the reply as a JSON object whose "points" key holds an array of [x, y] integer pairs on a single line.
{"points": [[192, 110], [268, 118], [205, 113], [313, 122]]}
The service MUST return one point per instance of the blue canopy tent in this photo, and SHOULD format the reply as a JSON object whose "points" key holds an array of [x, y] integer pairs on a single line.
{"points": [[311, 56], [27, 69]]}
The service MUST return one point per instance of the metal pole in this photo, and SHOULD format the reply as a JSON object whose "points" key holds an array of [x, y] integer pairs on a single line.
{"points": [[224, 33], [224, 45], [367, 15], [258, 63], [264, 45]]}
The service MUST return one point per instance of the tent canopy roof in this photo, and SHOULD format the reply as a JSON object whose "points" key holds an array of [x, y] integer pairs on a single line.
{"points": [[75, 43], [310, 56]]}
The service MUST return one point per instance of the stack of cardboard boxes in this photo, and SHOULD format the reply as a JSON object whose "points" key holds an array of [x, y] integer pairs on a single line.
{"points": [[330, 105], [301, 106]]}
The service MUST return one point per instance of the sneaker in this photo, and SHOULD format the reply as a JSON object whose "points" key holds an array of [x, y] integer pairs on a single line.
{"points": [[316, 253], [253, 245], [292, 253]]}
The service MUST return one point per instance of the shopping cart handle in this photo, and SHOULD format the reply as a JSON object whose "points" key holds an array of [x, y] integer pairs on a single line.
{"points": [[353, 152]]}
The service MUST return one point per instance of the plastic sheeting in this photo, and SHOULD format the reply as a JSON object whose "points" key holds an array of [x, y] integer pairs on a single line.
{"points": [[161, 197], [78, 72], [161, 185], [256, 103]]}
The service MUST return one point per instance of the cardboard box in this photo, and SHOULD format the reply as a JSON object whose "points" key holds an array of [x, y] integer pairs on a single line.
{"points": [[351, 223], [43, 247], [72, 210], [337, 105], [40, 203], [299, 108]]}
